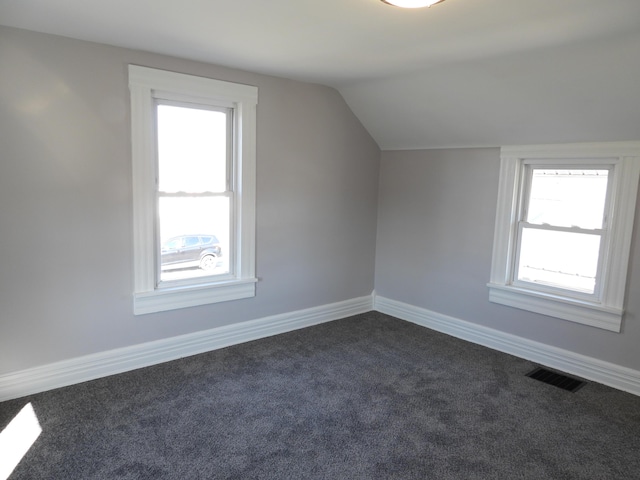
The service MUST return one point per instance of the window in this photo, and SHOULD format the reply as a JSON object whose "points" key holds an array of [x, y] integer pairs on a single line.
{"points": [[563, 230], [193, 148]]}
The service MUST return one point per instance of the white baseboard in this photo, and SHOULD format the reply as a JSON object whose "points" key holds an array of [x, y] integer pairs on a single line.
{"points": [[589, 368], [90, 367]]}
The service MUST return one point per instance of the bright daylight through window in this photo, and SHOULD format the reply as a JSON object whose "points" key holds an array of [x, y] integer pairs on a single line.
{"points": [[193, 191], [193, 143], [563, 230]]}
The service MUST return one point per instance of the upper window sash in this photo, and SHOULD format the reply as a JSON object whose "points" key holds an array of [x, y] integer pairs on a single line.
{"points": [[230, 154], [530, 166]]}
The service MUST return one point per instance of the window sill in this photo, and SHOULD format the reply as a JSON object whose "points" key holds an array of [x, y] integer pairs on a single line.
{"points": [[192, 296], [578, 311]]}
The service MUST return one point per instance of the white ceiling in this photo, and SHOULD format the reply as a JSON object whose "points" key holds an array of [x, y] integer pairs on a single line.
{"points": [[461, 73]]}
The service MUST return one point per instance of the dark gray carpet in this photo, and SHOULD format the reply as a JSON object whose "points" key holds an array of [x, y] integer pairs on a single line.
{"points": [[367, 397]]}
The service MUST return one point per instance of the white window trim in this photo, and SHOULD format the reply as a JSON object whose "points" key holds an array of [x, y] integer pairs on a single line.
{"points": [[146, 85], [608, 310]]}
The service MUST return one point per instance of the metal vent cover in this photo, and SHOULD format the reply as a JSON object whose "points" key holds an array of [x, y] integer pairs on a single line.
{"points": [[556, 379]]}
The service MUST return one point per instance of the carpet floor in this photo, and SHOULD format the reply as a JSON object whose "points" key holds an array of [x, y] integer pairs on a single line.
{"points": [[366, 397]]}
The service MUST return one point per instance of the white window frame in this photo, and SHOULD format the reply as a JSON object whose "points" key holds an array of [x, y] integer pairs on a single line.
{"points": [[147, 87], [605, 308]]}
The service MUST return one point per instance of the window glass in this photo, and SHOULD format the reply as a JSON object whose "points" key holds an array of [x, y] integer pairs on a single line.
{"points": [[187, 215], [559, 259], [192, 149], [565, 204], [172, 244], [568, 198], [191, 242], [193, 152]]}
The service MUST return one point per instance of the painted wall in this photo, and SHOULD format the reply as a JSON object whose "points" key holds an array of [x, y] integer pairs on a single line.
{"points": [[435, 236], [65, 214], [65, 201]]}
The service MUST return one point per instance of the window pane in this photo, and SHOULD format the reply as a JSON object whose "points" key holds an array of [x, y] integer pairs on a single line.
{"points": [[192, 150], [559, 259], [194, 237], [567, 198]]}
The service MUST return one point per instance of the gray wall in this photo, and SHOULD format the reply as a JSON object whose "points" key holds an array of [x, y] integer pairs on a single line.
{"points": [[65, 214], [435, 236], [65, 201]]}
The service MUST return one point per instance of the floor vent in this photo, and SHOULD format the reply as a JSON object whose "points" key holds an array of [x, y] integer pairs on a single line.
{"points": [[556, 379]]}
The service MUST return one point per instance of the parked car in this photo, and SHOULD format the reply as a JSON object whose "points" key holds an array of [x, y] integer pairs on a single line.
{"points": [[187, 251]]}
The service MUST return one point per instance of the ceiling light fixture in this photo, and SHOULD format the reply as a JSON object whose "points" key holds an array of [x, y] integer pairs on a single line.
{"points": [[412, 3]]}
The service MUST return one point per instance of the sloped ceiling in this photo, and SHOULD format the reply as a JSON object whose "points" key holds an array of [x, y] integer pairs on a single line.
{"points": [[461, 73]]}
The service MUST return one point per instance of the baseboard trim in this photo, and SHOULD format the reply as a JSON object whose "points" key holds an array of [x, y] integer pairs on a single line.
{"points": [[589, 368], [91, 367]]}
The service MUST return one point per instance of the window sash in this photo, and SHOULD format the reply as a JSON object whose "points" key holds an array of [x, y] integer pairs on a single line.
{"points": [[530, 166], [230, 113], [548, 288], [229, 192], [199, 279], [524, 200]]}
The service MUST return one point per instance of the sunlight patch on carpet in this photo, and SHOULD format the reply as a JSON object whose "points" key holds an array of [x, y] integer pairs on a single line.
{"points": [[17, 438]]}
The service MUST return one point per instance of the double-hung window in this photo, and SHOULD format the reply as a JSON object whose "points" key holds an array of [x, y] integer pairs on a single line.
{"points": [[563, 230], [193, 148]]}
